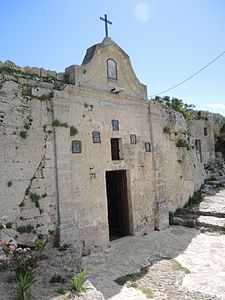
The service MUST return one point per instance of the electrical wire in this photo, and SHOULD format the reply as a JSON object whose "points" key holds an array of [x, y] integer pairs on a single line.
{"points": [[174, 86]]}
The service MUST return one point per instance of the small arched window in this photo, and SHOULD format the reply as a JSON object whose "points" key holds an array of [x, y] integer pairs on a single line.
{"points": [[111, 69]]}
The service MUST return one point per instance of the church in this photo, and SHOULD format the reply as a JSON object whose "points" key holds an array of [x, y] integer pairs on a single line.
{"points": [[99, 160]]}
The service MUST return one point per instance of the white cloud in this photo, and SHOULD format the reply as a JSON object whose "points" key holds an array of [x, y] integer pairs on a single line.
{"points": [[216, 106], [142, 12]]}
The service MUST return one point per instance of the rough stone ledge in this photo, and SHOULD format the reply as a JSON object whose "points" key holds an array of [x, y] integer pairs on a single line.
{"points": [[211, 222]]}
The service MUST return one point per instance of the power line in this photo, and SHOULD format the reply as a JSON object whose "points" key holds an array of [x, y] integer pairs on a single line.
{"points": [[173, 87]]}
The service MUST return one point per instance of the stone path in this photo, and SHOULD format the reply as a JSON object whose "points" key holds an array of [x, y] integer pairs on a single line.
{"points": [[202, 253]]}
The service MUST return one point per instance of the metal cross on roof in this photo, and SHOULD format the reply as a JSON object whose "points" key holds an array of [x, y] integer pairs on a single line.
{"points": [[106, 24]]}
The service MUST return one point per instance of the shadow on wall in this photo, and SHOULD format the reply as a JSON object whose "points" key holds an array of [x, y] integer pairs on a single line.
{"points": [[134, 255]]}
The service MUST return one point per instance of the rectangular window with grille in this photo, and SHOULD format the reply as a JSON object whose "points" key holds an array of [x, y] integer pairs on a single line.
{"points": [[115, 125], [147, 147], [133, 139], [76, 146], [96, 137]]}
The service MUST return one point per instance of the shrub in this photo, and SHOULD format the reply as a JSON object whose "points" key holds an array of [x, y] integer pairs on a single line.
{"points": [[39, 244], [73, 131], [35, 198], [23, 134], [177, 105], [183, 144], [77, 282], [57, 123], [25, 229], [23, 284], [9, 184]]}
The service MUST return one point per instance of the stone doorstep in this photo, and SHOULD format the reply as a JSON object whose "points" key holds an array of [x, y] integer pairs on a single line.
{"points": [[211, 222], [188, 222]]}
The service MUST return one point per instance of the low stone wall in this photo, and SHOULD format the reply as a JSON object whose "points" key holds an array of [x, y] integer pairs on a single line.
{"points": [[31, 76]]}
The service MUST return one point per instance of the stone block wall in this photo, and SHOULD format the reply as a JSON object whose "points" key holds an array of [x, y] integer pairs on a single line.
{"points": [[48, 191], [27, 166], [179, 171]]}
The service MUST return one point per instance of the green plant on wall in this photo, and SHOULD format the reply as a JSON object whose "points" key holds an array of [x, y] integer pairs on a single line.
{"points": [[25, 229], [73, 131], [23, 134], [183, 144], [77, 282], [35, 198], [57, 123]]}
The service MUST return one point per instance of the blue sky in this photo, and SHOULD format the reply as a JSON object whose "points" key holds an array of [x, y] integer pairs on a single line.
{"points": [[167, 40]]}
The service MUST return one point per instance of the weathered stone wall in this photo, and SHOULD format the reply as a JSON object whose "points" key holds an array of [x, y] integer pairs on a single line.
{"points": [[205, 127], [27, 171], [81, 176], [92, 74], [44, 184], [48, 191], [181, 172]]}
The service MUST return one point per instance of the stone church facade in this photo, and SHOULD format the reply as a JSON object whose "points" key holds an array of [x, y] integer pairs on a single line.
{"points": [[87, 158]]}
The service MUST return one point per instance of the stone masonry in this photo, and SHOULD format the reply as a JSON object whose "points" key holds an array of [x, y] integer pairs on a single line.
{"points": [[54, 191]]}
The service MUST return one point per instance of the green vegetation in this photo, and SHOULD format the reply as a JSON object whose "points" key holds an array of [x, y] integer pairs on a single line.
{"points": [[23, 134], [130, 281], [35, 198], [77, 282], [1, 83], [183, 144], [73, 131], [57, 123], [186, 210], [23, 284], [61, 290], [147, 291], [25, 229], [177, 105], [178, 267], [9, 225], [39, 245]]}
